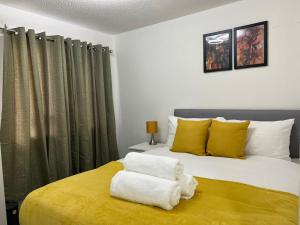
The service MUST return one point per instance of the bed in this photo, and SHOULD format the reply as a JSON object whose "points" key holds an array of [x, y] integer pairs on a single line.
{"points": [[257, 190]]}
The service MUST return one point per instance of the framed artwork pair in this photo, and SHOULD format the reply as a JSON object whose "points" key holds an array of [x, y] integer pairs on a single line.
{"points": [[250, 48]]}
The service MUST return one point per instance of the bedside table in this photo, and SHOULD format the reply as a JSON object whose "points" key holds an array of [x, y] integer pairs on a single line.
{"points": [[142, 147]]}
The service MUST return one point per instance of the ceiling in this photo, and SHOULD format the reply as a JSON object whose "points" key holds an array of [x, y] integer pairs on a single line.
{"points": [[114, 16]]}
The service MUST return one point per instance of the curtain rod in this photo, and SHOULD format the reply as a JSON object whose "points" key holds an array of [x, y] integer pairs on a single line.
{"points": [[48, 38]]}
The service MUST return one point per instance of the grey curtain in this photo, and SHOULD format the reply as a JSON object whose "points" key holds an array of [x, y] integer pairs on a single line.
{"points": [[58, 115]]}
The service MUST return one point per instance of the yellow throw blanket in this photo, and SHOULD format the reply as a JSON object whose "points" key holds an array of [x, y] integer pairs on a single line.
{"points": [[84, 199]]}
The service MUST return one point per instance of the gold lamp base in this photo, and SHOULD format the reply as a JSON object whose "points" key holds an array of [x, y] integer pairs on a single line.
{"points": [[152, 140]]}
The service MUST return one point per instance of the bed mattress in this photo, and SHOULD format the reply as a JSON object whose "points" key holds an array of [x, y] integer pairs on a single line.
{"points": [[257, 190], [260, 171]]}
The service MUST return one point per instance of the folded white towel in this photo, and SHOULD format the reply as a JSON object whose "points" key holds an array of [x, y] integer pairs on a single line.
{"points": [[188, 186], [145, 189], [159, 166]]}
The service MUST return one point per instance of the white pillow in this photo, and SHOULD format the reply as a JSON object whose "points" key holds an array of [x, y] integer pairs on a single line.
{"points": [[172, 124], [268, 138]]}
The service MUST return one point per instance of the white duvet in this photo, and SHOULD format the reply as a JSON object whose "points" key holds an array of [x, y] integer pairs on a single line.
{"points": [[259, 171]]}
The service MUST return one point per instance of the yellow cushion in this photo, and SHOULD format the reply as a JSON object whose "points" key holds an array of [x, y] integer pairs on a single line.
{"points": [[227, 139], [191, 136]]}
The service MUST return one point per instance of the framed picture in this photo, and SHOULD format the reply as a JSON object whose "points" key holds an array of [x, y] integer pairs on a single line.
{"points": [[217, 51], [251, 45]]}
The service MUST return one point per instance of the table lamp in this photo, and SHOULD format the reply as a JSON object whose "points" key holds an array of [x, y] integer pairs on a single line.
{"points": [[151, 127]]}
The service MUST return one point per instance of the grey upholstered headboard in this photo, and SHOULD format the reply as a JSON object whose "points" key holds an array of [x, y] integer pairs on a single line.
{"points": [[259, 115]]}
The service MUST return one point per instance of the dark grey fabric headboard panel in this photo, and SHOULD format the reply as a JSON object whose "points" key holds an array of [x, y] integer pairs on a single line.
{"points": [[259, 115]]}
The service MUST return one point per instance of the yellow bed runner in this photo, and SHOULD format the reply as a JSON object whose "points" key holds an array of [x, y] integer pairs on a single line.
{"points": [[84, 199]]}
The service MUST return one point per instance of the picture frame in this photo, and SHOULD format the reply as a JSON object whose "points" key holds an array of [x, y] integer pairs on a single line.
{"points": [[217, 51], [251, 45]]}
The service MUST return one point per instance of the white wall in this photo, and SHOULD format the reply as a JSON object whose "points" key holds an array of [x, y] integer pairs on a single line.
{"points": [[13, 17], [2, 201], [17, 18], [161, 67]]}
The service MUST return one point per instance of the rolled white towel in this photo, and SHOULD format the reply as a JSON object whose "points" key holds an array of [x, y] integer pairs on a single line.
{"points": [[145, 189], [158, 166], [188, 186]]}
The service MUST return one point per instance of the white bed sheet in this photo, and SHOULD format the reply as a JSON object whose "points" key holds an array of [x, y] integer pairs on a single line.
{"points": [[260, 171]]}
